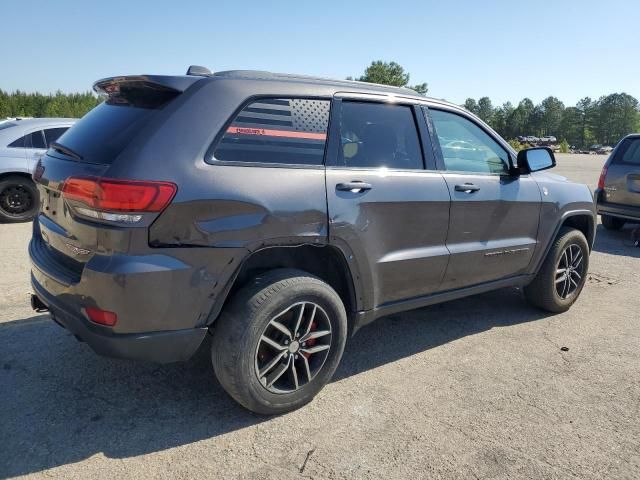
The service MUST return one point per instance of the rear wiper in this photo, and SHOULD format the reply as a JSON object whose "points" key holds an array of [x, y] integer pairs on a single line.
{"points": [[66, 150]]}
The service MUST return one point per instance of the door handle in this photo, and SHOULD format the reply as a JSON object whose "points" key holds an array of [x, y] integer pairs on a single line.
{"points": [[354, 186], [467, 188]]}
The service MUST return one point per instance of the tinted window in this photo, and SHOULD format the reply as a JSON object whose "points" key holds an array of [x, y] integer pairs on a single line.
{"points": [[466, 147], [30, 140], [629, 152], [18, 143], [35, 140], [379, 135], [52, 134], [290, 131], [104, 132]]}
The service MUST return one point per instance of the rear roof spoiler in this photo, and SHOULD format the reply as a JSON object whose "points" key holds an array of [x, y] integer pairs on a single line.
{"points": [[162, 82]]}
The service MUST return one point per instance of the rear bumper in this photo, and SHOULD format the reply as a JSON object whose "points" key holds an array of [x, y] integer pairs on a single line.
{"points": [[616, 210], [162, 347]]}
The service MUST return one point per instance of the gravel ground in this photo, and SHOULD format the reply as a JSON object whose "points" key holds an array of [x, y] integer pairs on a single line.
{"points": [[475, 388]]}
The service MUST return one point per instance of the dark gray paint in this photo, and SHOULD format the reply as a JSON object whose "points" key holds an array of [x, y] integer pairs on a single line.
{"points": [[492, 231], [409, 241]]}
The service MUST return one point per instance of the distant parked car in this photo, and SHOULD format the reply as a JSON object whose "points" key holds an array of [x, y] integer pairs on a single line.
{"points": [[618, 192], [522, 138], [22, 143], [604, 150], [548, 139], [532, 139]]}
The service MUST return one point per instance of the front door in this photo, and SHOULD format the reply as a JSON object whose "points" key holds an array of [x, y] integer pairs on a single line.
{"points": [[494, 215], [387, 211]]}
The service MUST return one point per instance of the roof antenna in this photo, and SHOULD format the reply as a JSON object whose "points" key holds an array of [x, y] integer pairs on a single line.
{"points": [[198, 71]]}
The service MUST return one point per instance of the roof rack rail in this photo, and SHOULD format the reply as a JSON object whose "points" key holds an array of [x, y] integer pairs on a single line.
{"points": [[198, 71]]}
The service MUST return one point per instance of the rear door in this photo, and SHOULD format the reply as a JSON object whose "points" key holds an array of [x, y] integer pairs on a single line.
{"points": [[387, 211], [622, 183], [494, 215]]}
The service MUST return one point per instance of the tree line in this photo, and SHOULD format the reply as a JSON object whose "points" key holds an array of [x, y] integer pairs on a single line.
{"points": [[69, 105], [602, 121]]}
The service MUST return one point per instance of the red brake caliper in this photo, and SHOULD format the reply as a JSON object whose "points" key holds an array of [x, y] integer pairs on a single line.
{"points": [[312, 341]]}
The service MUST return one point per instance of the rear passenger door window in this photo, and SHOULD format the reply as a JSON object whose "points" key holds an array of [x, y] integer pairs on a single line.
{"points": [[466, 147], [374, 135], [290, 131]]}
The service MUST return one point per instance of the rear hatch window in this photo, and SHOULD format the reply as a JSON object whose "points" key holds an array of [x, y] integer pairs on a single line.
{"points": [[628, 153], [106, 130]]}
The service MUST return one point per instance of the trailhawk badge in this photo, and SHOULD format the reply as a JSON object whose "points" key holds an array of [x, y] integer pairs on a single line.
{"points": [[77, 250]]}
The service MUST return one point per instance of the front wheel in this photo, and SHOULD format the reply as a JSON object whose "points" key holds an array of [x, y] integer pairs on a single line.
{"points": [[563, 274], [279, 341]]}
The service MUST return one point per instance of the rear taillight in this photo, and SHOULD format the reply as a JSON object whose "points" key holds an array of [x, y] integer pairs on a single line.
{"points": [[117, 200], [103, 317], [603, 177]]}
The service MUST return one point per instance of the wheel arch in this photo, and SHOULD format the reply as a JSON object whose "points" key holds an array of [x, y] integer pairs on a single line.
{"points": [[25, 175], [325, 262], [582, 220]]}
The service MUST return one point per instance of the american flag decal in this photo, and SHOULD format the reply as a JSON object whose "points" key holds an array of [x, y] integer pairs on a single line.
{"points": [[291, 131]]}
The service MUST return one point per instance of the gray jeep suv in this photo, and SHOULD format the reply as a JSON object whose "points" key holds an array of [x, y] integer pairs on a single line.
{"points": [[278, 214]]}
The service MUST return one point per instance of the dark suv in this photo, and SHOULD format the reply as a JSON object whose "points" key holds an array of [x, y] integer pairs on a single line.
{"points": [[618, 192], [279, 214]]}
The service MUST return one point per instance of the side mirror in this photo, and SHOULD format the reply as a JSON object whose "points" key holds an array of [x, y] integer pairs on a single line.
{"points": [[536, 159]]}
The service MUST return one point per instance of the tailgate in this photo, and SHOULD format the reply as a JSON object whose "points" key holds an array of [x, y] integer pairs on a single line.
{"points": [[66, 239]]}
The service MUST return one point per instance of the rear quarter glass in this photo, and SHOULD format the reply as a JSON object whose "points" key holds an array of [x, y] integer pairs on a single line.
{"points": [[277, 131]]}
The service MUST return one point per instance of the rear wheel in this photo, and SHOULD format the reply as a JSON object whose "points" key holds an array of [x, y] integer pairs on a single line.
{"points": [[612, 223], [279, 341], [563, 274], [18, 199]]}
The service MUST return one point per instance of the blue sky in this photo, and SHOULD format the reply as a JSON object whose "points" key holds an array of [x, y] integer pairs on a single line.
{"points": [[503, 49]]}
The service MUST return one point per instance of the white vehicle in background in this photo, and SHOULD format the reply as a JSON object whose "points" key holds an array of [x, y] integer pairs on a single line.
{"points": [[548, 139], [604, 150], [22, 143]]}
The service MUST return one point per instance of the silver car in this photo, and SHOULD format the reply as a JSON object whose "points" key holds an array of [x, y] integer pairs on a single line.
{"points": [[22, 143]]}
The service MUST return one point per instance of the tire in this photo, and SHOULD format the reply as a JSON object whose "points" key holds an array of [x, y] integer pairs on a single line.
{"points": [[612, 223], [543, 292], [240, 354], [18, 199]]}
